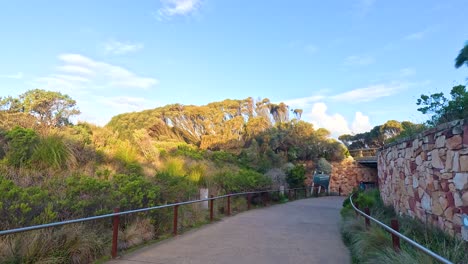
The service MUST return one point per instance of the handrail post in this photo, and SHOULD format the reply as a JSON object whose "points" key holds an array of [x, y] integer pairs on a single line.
{"points": [[249, 199], [264, 198], [289, 194], [115, 232], [367, 211], [229, 205], [295, 194], [395, 239], [176, 216], [211, 208]]}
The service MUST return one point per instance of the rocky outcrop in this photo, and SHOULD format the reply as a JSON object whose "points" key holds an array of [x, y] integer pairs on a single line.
{"points": [[347, 175], [427, 177]]}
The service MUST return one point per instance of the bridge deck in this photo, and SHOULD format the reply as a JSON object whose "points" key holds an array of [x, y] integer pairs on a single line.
{"points": [[303, 231]]}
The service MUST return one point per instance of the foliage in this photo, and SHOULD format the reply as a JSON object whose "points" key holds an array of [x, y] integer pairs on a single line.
{"points": [[442, 109], [296, 176], [243, 180], [324, 166], [462, 57], [21, 144], [380, 135], [52, 152], [374, 245], [135, 191], [50, 108], [21, 206]]}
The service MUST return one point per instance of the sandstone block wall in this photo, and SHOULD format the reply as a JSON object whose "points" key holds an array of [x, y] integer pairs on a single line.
{"points": [[347, 175], [427, 177]]}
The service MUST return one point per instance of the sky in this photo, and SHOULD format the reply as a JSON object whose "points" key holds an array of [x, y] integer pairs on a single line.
{"points": [[349, 64]]}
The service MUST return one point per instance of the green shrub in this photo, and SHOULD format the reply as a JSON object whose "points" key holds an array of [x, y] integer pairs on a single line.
{"points": [[52, 152], [21, 143], [244, 180], [134, 191], [296, 176], [188, 151], [86, 196], [23, 206]]}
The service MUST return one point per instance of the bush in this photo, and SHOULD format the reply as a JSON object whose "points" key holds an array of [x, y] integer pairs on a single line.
{"points": [[134, 191], [21, 144], [23, 206], [324, 166], [296, 176], [244, 180], [374, 245], [52, 152]]}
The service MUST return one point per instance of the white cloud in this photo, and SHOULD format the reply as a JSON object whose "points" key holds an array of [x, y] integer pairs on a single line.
{"points": [[127, 103], [304, 102], [336, 123], [361, 123], [370, 93], [102, 74], [18, 75], [120, 48], [177, 8], [73, 69], [356, 60]]}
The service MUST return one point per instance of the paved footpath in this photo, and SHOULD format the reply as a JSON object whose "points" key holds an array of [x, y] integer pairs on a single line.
{"points": [[303, 231]]}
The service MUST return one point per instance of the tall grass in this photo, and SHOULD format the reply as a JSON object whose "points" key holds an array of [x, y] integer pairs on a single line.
{"points": [[70, 244], [52, 152], [374, 245]]}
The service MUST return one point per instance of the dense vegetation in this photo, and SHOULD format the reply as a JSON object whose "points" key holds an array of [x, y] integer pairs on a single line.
{"points": [[53, 170], [380, 135], [374, 245]]}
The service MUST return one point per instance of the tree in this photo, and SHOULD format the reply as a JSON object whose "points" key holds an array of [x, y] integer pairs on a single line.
{"points": [[296, 176], [442, 109], [50, 108], [462, 57]]}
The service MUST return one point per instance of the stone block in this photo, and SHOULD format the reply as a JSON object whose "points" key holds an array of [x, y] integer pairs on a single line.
{"points": [[461, 180], [426, 202], [436, 160], [449, 160], [457, 200], [440, 142], [465, 198], [463, 161], [465, 135], [457, 130], [454, 142]]}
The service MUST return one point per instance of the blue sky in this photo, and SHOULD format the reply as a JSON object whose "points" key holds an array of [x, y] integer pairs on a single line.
{"points": [[349, 64]]}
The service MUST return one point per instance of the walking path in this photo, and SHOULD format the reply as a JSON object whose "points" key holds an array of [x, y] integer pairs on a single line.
{"points": [[303, 231]]}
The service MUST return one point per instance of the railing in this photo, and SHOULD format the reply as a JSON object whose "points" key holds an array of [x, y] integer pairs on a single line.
{"points": [[393, 230], [291, 193], [360, 153]]}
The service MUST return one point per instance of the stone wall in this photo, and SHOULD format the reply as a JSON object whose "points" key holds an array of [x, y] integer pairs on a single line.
{"points": [[348, 174], [427, 176]]}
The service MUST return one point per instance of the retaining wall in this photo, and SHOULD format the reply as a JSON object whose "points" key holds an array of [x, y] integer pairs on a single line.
{"points": [[427, 176]]}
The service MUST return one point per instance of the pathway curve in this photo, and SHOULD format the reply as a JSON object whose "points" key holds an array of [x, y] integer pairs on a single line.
{"points": [[303, 231]]}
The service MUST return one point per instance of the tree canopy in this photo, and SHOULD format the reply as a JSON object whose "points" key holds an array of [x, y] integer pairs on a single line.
{"points": [[462, 57], [50, 108]]}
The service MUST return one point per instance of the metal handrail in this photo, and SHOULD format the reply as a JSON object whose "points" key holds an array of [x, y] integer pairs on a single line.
{"points": [[86, 219], [409, 240]]}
